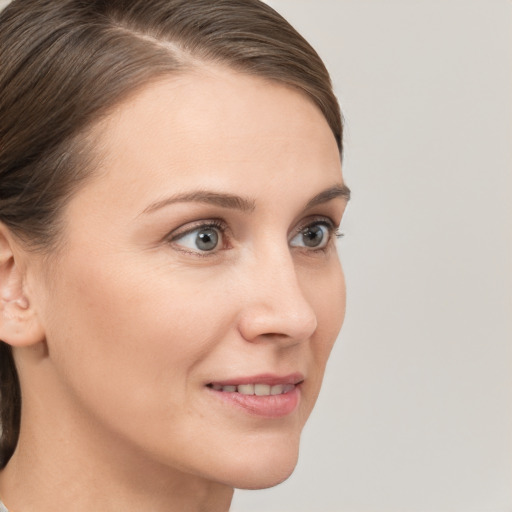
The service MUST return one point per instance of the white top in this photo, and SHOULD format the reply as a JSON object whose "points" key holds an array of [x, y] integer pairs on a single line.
{"points": [[2, 507]]}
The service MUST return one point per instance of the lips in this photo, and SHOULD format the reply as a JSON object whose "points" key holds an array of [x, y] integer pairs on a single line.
{"points": [[263, 395]]}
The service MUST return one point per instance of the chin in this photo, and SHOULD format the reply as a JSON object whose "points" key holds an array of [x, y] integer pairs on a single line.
{"points": [[265, 481], [265, 471]]}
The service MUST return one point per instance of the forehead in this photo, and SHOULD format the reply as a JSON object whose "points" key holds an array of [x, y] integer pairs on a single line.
{"points": [[220, 127]]}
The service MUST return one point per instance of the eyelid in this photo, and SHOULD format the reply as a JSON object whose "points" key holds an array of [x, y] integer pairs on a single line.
{"points": [[315, 220], [194, 226]]}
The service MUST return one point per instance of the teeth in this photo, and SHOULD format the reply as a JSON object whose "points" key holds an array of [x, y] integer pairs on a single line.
{"points": [[255, 389], [261, 389], [276, 390], [247, 389]]}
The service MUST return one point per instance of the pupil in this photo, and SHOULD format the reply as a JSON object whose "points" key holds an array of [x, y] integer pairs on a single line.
{"points": [[313, 236], [207, 239]]}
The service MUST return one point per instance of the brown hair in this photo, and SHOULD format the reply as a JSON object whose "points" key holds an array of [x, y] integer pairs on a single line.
{"points": [[66, 63]]}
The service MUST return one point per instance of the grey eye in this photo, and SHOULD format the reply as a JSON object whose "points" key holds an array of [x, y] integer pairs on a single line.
{"points": [[201, 239], [207, 239], [315, 236]]}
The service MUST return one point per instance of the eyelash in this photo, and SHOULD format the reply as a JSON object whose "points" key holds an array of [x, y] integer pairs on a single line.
{"points": [[333, 230], [219, 225]]}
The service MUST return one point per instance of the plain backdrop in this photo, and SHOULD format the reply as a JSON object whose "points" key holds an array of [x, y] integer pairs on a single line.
{"points": [[416, 410]]}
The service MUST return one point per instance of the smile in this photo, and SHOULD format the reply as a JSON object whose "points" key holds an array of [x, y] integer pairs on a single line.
{"points": [[266, 395], [255, 389]]}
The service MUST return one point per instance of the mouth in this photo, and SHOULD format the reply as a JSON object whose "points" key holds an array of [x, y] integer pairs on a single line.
{"points": [[254, 389], [264, 395]]}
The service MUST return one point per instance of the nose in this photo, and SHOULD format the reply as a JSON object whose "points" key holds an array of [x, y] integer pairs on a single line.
{"points": [[274, 306]]}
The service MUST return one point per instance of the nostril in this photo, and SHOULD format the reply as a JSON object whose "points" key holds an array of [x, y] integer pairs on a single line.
{"points": [[276, 326], [275, 307]]}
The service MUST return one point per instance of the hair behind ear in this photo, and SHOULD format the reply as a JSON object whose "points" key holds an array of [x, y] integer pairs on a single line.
{"points": [[10, 404], [19, 326]]}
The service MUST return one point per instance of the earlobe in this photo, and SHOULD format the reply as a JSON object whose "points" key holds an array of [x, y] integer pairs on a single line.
{"points": [[19, 324]]}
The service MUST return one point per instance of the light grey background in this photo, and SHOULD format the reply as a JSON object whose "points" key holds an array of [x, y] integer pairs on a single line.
{"points": [[416, 410]]}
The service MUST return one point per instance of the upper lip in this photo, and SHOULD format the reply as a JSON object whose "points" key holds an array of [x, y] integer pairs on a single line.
{"points": [[263, 378]]}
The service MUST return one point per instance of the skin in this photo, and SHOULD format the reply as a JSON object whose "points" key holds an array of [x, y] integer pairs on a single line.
{"points": [[129, 321]]}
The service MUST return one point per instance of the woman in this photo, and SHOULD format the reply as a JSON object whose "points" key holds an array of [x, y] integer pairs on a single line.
{"points": [[170, 290]]}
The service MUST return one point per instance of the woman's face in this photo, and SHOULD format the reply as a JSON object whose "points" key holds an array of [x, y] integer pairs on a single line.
{"points": [[199, 265]]}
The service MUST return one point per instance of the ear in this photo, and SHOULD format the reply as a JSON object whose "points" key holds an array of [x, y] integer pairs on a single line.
{"points": [[19, 323]]}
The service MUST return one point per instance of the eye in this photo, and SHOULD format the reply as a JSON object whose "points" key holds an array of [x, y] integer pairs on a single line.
{"points": [[204, 238], [315, 236]]}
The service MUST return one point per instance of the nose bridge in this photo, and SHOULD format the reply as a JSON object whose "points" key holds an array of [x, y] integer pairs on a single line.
{"points": [[275, 305]]}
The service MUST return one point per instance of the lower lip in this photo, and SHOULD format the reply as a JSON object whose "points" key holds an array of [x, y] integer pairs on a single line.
{"points": [[272, 406]]}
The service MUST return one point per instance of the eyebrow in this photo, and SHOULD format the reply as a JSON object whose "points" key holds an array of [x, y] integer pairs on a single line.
{"points": [[241, 203], [208, 197], [334, 192]]}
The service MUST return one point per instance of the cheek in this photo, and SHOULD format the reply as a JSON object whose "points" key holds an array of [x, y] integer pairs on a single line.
{"points": [[119, 335], [325, 292], [327, 296]]}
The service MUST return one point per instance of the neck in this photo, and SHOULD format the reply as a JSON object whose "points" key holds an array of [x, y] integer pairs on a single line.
{"points": [[34, 484]]}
